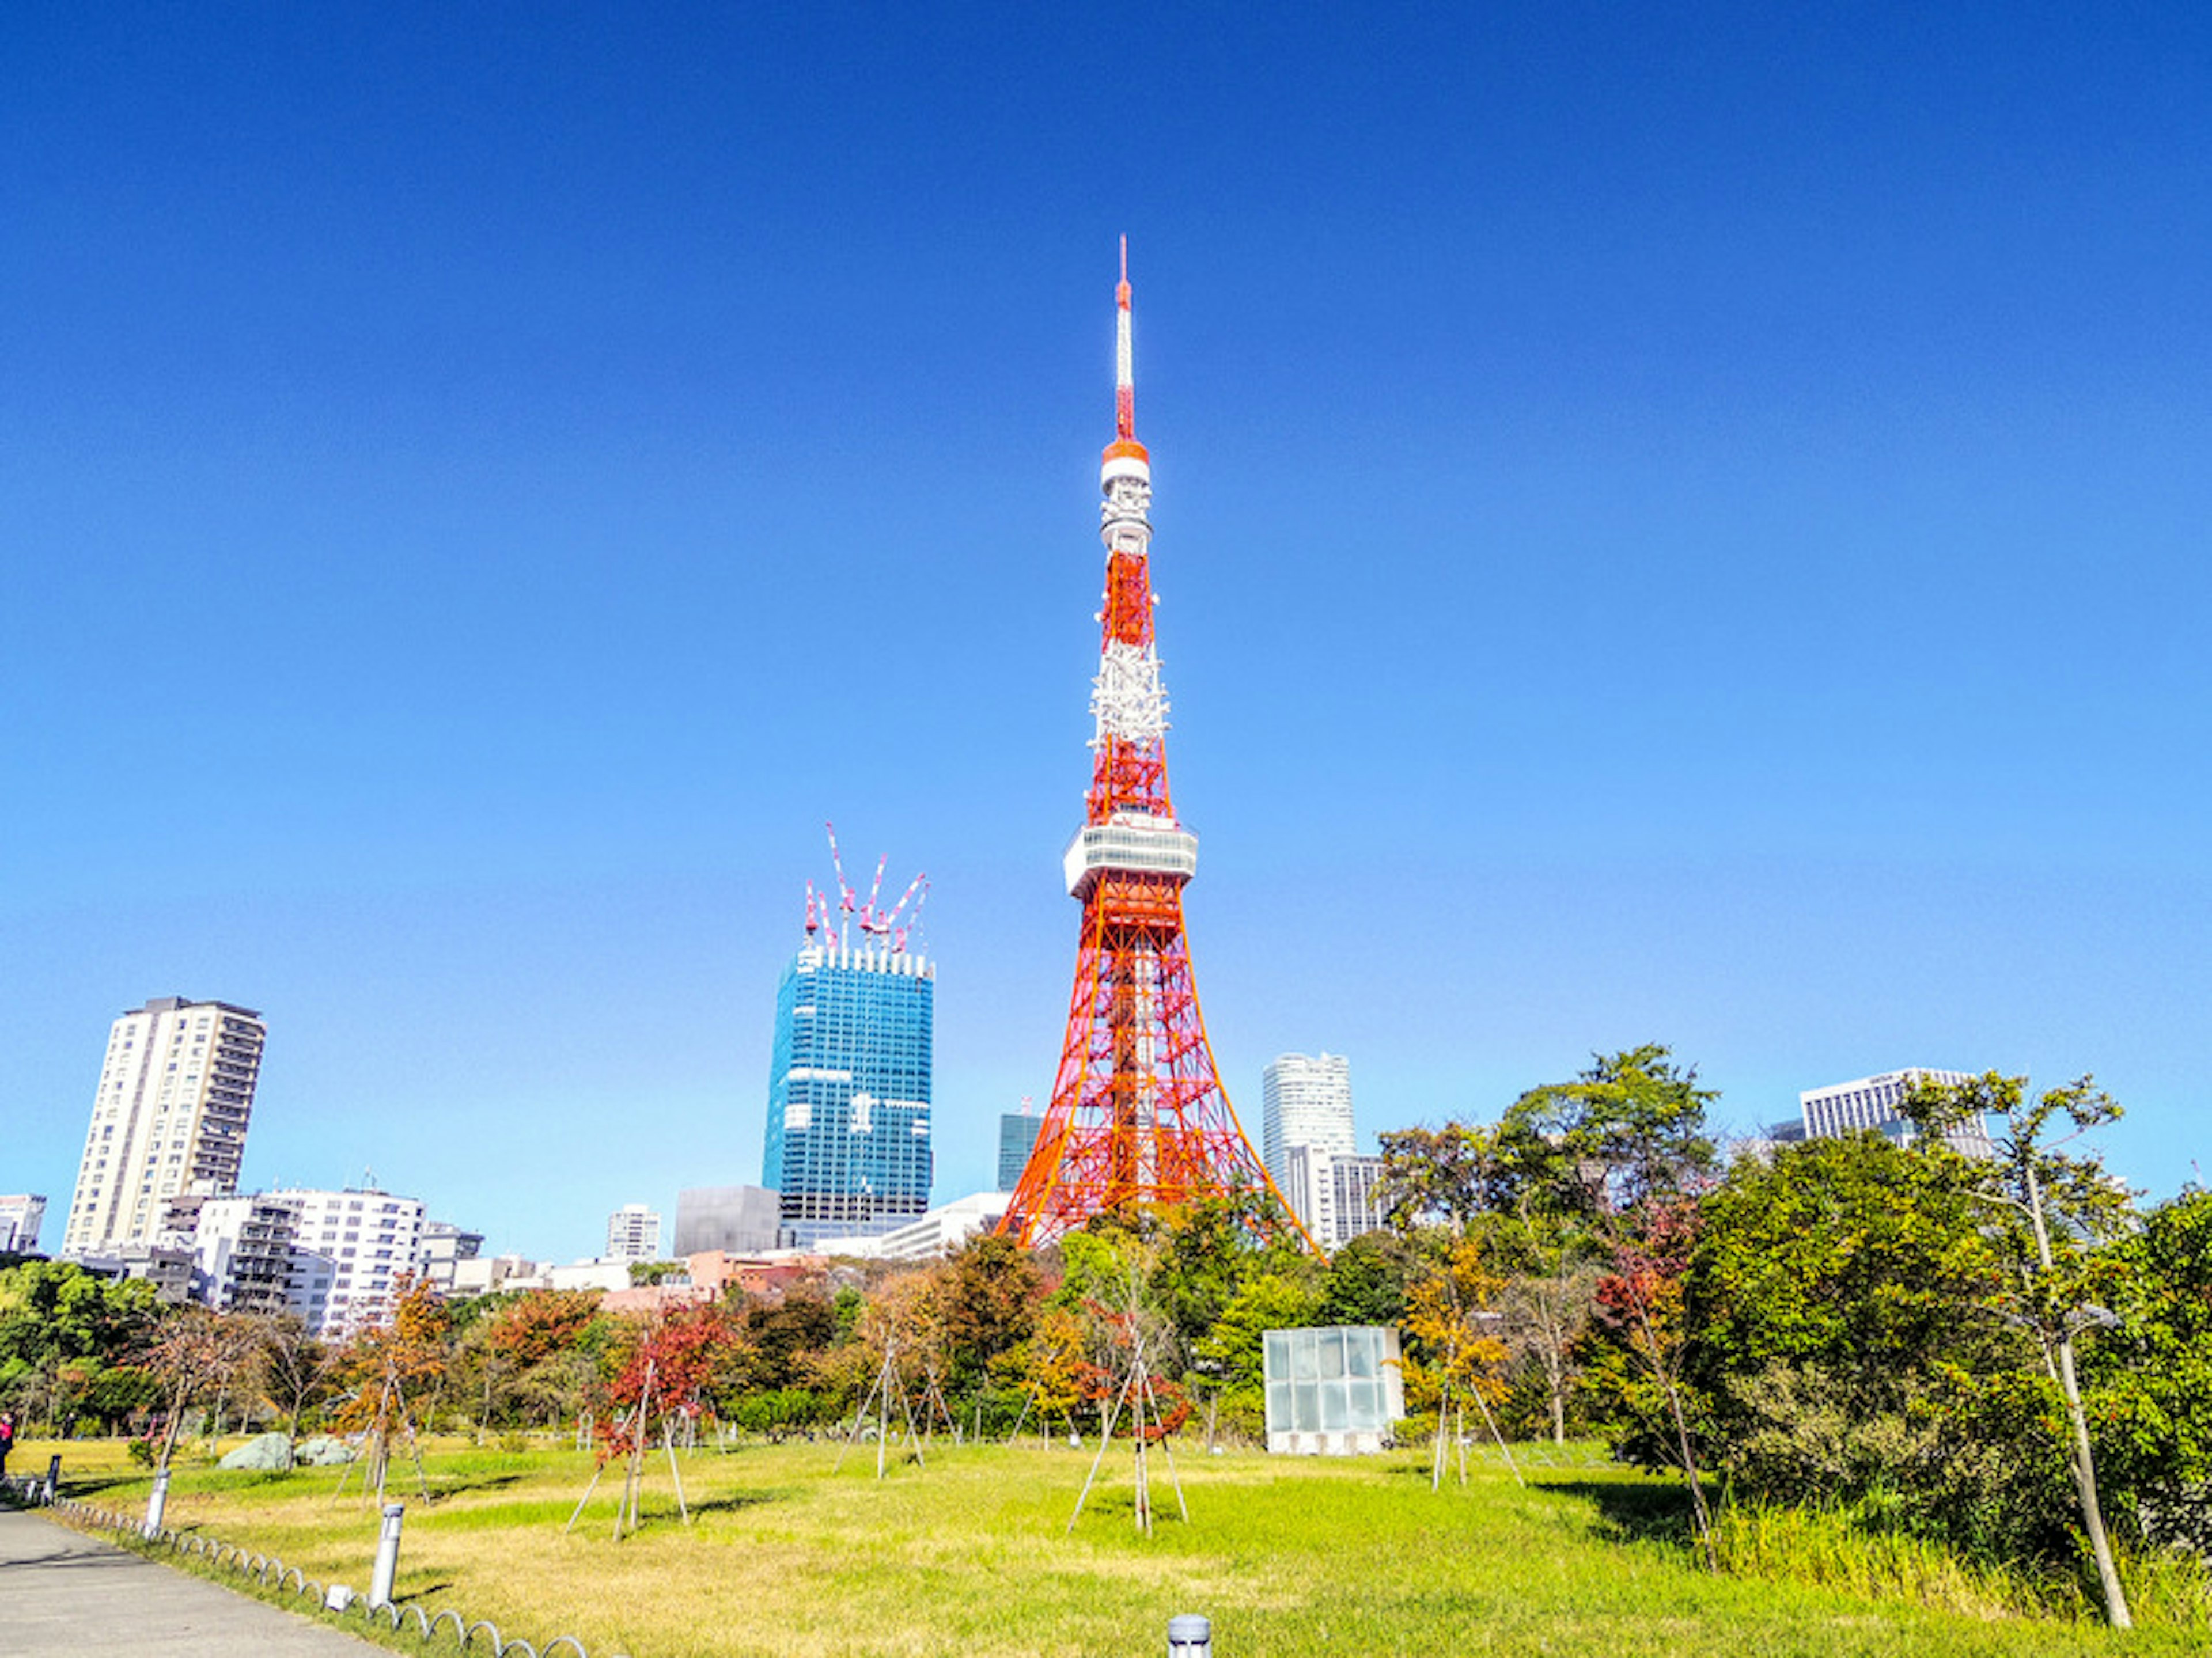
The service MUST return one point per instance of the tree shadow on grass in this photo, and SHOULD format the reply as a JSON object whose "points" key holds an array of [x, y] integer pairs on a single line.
{"points": [[449, 1485], [1635, 1513], [734, 1502], [90, 1484]]}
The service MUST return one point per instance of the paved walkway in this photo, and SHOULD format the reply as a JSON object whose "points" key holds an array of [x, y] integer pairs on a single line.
{"points": [[64, 1595]]}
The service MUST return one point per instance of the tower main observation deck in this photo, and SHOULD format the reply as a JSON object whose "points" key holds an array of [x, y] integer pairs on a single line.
{"points": [[1139, 1117]]}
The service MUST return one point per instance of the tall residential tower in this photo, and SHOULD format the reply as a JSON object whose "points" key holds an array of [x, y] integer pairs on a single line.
{"points": [[176, 1090], [1305, 1100]]}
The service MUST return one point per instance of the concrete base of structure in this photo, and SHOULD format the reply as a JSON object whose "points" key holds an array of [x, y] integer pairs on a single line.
{"points": [[1324, 1445]]}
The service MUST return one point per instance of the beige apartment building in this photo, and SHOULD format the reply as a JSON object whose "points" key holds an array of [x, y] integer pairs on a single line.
{"points": [[176, 1089]]}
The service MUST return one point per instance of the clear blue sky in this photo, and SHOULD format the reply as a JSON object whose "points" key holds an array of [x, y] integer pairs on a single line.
{"points": [[1681, 523]]}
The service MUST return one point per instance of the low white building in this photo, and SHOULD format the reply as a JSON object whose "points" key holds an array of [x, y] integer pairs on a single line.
{"points": [[491, 1275], [590, 1275], [445, 1247], [938, 1233]]}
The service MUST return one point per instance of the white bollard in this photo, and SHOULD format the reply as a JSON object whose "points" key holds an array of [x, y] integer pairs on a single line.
{"points": [[387, 1556], [157, 1504], [1190, 1636]]}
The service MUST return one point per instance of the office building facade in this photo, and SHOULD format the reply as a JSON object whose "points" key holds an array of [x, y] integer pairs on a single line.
{"points": [[633, 1234], [245, 1253], [444, 1247], [1334, 1195], [1870, 1104], [1018, 1133], [1354, 1191], [848, 1146], [169, 1117]]}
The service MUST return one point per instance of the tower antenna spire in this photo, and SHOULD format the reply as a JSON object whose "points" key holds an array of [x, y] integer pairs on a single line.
{"points": [[1125, 367]]}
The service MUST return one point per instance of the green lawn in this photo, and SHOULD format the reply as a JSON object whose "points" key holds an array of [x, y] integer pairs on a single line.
{"points": [[971, 1555]]}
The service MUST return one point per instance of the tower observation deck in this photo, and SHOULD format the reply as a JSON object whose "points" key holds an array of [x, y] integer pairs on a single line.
{"points": [[1138, 1118]]}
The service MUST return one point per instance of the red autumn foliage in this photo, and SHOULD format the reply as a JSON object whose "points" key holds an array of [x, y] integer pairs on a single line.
{"points": [[680, 1357]]}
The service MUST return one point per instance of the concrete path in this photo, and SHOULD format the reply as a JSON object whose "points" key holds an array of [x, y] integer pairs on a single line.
{"points": [[64, 1595]]}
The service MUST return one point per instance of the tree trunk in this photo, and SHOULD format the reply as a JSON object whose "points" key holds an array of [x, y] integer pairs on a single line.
{"points": [[2080, 1458]]}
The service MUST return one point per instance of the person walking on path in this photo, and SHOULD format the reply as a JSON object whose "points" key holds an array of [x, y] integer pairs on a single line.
{"points": [[7, 1439]]}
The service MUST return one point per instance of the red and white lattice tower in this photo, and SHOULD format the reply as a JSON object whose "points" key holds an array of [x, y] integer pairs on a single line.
{"points": [[1138, 1118]]}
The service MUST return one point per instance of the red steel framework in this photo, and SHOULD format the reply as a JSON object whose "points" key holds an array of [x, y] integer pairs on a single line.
{"points": [[1139, 1117]]}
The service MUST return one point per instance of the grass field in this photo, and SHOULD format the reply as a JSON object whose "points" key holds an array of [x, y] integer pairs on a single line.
{"points": [[971, 1555]]}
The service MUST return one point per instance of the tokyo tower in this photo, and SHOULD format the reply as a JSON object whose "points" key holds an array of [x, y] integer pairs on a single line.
{"points": [[1138, 1118]]}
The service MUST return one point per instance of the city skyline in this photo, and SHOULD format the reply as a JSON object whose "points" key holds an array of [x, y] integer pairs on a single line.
{"points": [[1685, 528]]}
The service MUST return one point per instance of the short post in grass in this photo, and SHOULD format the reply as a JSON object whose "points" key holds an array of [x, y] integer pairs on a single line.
{"points": [[1190, 1636], [54, 1477], [387, 1556], [157, 1504]]}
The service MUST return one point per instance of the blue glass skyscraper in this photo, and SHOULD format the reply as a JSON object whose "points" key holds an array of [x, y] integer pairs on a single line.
{"points": [[848, 1092]]}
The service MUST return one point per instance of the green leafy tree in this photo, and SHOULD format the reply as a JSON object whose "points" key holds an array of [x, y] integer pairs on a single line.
{"points": [[1367, 1279], [1627, 1132], [2150, 1378], [1553, 1265], [1448, 1176], [2051, 1209], [1232, 1355], [990, 1295], [781, 1336], [52, 1309], [1838, 1300]]}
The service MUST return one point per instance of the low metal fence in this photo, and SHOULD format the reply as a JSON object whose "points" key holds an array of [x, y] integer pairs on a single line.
{"points": [[267, 1571]]}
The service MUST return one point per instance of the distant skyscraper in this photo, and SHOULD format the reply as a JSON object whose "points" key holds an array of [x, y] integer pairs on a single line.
{"points": [[850, 1086], [21, 1217], [176, 1089], [633, 1234], [1018, 1133], [1305, 1100]]}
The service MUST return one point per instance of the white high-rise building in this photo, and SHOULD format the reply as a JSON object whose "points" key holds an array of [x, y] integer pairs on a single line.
{"points": [[633, 1234], [176, 1089], [21, 1217], [1305, 1101], [1872, 1102]]}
